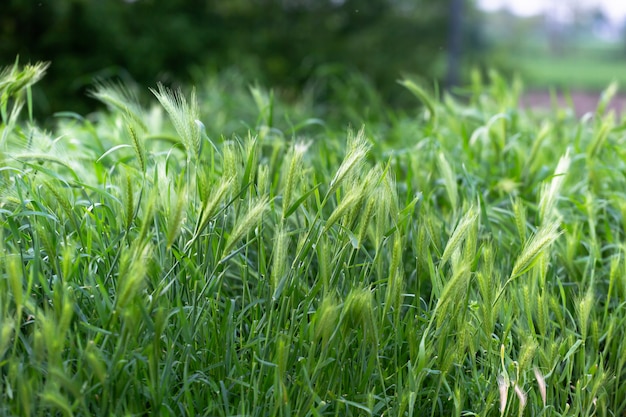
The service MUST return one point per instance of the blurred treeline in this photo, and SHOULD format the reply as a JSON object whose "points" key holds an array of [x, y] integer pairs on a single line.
{"points": [[290, 45]]}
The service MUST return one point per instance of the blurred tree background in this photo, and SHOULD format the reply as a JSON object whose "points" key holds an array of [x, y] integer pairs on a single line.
{"points": [[287, 44]]}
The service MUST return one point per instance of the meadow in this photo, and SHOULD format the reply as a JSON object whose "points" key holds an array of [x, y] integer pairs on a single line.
{"points": [[583, 65], [219, 251]]}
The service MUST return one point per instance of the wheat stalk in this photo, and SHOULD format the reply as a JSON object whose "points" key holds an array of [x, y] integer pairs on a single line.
{"points": [[461, 230], [355, 157], [252, 217], [184, 116], [539, 243]]}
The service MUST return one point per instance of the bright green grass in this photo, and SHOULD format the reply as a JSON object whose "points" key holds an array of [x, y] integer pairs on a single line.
{"points": [[462, 260]]}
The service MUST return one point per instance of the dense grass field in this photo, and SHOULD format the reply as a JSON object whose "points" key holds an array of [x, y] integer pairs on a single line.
{"points": [[220, 252]]}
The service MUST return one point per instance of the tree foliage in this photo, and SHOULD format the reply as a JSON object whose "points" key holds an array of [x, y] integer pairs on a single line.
{"points": [[280, 42]]}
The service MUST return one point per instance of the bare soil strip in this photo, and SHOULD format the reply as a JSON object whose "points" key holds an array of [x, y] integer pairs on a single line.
{"points": [[583, 101]]}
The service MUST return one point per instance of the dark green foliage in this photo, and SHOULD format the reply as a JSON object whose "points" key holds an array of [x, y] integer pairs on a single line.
{"points": [[283, 43]]}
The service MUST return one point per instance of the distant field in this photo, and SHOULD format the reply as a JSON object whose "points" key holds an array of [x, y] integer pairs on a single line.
{"points": [[589, 67], [573, 72]]}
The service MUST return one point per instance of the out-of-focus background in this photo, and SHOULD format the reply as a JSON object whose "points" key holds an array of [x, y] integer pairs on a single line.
{"points": [[310, 46]]}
